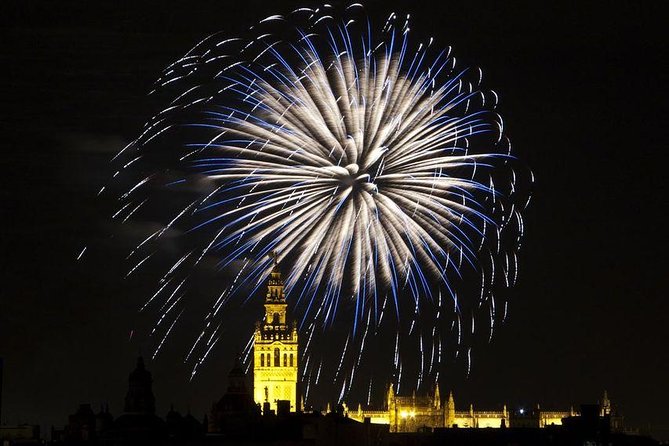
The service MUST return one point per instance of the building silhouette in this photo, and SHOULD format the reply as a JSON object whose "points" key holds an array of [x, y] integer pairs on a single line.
{"points": [[139, 419], [139, 399], [236, 411]]}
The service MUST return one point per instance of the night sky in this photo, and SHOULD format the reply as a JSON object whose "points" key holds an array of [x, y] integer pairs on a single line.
{"points": [[582, 99]]}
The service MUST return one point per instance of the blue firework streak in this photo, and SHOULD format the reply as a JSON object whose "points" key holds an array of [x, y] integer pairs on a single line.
{"points": [[375, 167]]}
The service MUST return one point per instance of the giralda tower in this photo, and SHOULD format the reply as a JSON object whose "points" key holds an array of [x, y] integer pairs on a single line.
{"points": [[275, 349]]}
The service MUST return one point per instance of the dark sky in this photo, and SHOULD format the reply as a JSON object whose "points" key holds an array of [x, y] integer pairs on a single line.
{"points": [[582, 97]]}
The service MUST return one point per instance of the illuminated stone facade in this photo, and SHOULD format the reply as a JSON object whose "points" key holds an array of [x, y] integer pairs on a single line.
{"points": [[411, 413], [275, 350]]}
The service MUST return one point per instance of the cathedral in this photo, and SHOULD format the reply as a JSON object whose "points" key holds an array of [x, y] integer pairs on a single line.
{"points": [[275, 372], [412, 413]]}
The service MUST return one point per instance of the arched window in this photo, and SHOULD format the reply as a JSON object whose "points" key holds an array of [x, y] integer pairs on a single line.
{"points": [[291, 359], [277, 358], [262, 360], [275, 318], [285, 360], [269, 363]]}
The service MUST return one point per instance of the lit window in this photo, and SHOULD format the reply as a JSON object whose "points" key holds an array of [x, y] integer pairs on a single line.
{"points": [[277, 358]]}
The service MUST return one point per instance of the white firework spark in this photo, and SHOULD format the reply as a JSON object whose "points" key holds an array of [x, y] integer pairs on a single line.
{"points": [[377, 169]]}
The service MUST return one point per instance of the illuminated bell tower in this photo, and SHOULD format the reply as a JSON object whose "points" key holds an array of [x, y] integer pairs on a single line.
{"points": [[275, 349]]}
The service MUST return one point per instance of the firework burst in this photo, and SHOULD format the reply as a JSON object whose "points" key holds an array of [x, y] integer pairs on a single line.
{"points": [[377, 169]]}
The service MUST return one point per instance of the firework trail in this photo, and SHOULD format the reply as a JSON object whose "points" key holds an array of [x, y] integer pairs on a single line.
{"points": [[377, 169]]}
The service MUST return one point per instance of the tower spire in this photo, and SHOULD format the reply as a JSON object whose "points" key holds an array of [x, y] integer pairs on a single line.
{"points": [[605, 406], [275, 286], [449, 411]]}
